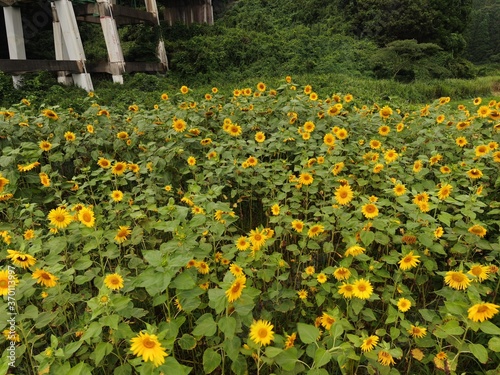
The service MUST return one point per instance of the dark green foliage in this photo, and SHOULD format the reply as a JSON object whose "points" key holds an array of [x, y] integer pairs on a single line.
{"points": [[483, 32], [407, 60]]}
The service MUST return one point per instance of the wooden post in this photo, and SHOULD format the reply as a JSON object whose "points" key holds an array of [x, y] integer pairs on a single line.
{"points": [[72, 41], [112, 39], [15, 38]]}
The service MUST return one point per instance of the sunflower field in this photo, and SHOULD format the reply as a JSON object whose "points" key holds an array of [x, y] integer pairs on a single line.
{"points": [[262, 231]]}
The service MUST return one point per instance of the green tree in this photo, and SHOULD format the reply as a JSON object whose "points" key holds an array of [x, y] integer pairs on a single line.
{"points": [[427, 21]]}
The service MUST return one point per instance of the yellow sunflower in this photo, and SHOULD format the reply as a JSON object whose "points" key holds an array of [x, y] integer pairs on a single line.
{"points": [[369, 343], [117, 195], [461, 141], [122, 234], [235, 270], [70, 136], [234, 130], [257, 239], [390, 156], [482, 311], [242, 243], [479, 271], [385, 358], [409, 261], [342, 273], [399, 189], [457, 280], [21, 259], [45, 278], [369, 210], [362, 289], [306, 178], [86, 217], [260, 137], [445, 191], [474, 173], [385, 112], [478, 230], [417, 331], [384, 130], [315, 230], [354, 251], [59, 217], [236, 289], [113, 281], [343, 194], [119, 168], [346, 290], [327, 321], [261, 332], [404, 304], [148, 347], [104, 163], [45, 145], [298, 225]]}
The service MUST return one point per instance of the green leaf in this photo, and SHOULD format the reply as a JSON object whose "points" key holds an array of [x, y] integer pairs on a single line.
{"points": [[307, 333], [102, 349], [322, 357], [205, 326], [217, 300], [94, 330], [272, 352], [187, 342], [367, 237], [489, 328], [184, 281], [287, 359], [479, 352], [175, 367], [80, 369], [211, 360], [83, 263], [227, 324], [425, 240], [71, 348], [494, 344], [125, 369]]}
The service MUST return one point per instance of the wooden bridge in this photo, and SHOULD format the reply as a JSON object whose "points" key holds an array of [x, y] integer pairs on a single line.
{"points": [[70, 61]]}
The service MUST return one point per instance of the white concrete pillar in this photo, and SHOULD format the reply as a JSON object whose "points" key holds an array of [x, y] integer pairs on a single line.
{"points": [[112, 39], [151, 7], [61, 50], [72, 41], [15, 38]]}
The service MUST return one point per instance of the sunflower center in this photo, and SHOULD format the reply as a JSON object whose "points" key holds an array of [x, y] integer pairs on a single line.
{"points": [[482, 309], [3, 284], [148, 343], [236, 288], [60, 218], [343, 194], [257, 237], [362, 287], [45, 276], [22, 258], [370, 208], [262, 333], [86, 216], [458, 278]]}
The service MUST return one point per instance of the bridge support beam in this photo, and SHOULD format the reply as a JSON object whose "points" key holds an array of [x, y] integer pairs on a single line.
{"points": [[161, 53], [112, 39], [15, 38], [72, 41]]}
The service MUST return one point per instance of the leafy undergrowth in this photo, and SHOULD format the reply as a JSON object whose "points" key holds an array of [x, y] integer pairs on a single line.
{"points": [[259, 231]]}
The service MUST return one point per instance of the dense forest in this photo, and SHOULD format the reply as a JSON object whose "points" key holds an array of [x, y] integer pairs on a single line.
{"points": [[395, 39]]}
